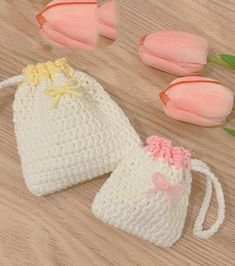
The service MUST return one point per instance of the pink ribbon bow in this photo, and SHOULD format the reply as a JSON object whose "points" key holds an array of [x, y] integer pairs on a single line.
{"points": [[160, 183]]}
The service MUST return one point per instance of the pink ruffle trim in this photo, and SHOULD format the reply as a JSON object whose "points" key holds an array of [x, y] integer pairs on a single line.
{"points": [[162, 148]]}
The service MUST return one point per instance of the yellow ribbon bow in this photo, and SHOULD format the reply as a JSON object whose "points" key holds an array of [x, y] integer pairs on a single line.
{"points": [[73, 87]]}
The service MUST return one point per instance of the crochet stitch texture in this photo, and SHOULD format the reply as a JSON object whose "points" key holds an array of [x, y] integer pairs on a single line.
{"points": [[148, 194], [67, 133]]}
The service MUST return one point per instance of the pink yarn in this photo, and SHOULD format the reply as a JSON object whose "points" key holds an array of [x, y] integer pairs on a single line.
{"points": [[160, 183], [162, 148]]}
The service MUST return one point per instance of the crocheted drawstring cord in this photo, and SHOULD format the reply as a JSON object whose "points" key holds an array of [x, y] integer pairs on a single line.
{"points": [[73, 87], [13, 81], [201, 167]]}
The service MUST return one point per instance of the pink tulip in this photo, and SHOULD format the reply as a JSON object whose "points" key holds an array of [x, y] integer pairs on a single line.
{"points": [[70, 23], [106, 20], [176, 52], [197, 100]]}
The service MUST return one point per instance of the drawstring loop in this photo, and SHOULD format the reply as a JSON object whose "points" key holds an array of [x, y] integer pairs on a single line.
{"points": [[13, 81], [74, 86], [201, 167]]}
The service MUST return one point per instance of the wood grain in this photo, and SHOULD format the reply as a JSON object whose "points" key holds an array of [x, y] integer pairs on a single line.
{"points": [[60, 229]]}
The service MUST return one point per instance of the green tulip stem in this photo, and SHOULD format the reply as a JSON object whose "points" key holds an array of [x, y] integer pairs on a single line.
{"points": [[230, 131], [217, 60]]}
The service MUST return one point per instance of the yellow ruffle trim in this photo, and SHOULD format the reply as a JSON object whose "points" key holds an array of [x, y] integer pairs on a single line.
{"points": [[36, 73]]}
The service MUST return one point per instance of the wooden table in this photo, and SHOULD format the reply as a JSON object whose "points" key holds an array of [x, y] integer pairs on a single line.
{"points": [[60, 229]]}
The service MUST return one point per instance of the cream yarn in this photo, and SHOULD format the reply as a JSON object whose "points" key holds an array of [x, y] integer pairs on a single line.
{"points": [[148, 194], [67, 127]]}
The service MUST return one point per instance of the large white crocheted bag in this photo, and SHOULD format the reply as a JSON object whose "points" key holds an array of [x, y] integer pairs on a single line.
{"points": [[67, 127], [148, 194]]}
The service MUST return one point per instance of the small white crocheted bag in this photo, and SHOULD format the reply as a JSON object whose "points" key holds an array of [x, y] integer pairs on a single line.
{"points": [[67, 127], [148, 194]]}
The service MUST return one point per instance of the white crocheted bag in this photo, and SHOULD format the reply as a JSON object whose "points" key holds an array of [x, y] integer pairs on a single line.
{"points": [[148, 194], [68, 129]]}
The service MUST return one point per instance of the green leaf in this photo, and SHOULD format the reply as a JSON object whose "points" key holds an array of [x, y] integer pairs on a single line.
{"points": [[229, 59], [230, 131]]}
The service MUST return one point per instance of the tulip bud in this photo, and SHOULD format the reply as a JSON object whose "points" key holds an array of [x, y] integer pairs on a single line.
{"points": [[70, 23], [106, 19], [176, 52], [197, 100]]}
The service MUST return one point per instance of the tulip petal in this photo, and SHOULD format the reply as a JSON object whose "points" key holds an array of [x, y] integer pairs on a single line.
{"points": [[50, 36], [54, 2], [191, 118], [176, 52], [106, 13], [161, 63], [191, 79], [106, 19], [177, 46], [107, 31], [193, 68], [204, 99], [76, 21], [62, 40]]}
